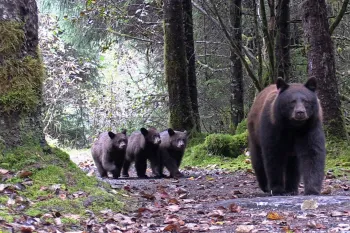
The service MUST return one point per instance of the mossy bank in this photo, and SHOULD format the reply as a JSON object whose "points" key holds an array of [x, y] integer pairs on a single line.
{"points": [[46, 181]]}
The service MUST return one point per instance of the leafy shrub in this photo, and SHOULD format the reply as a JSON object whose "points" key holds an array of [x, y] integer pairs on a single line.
{"points": [[241, 127], [227, 145]]}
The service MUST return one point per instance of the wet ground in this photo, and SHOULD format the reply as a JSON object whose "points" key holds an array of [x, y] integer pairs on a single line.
{"points": [[213, 200]]}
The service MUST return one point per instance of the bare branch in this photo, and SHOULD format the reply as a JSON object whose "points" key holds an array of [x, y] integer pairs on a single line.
{"points": [[339, 16]]}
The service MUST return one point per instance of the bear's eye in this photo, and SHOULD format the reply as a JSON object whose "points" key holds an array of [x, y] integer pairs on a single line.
{"points": [[293, 101]]}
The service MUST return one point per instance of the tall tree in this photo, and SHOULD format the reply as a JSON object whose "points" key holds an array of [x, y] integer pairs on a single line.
{"points": [[181, 115], [282, 48], [191, 60], [236, 98], [321, 64], [21, 73]]}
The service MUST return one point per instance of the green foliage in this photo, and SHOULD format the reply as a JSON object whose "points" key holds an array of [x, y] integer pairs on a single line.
{"points": [[55, 168], [338, 157], [223, 150], [242, 127], [226, 145], [22, 91]]}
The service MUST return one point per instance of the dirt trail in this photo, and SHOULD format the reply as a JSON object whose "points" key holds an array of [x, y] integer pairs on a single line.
{"points": [[212, 200]]}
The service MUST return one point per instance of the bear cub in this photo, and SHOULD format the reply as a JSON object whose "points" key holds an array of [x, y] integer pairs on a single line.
{"points": [[143, 145], [108, 153], [286, 138], [171, 151]]}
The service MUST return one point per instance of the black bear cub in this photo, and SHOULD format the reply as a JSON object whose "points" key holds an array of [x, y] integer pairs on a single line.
{"points": [[286, 138], [143, 145], [108, 153], [171, 151]]}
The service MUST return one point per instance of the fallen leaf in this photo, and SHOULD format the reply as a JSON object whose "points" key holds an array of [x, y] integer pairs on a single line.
{"points": [[327, 190], [172, 227], [244, 228], [173, 201], [147, 196], [3, 171], [309, 205], [337, 214], [173, 208], [24, 174], [235, 208], [274, 216]]}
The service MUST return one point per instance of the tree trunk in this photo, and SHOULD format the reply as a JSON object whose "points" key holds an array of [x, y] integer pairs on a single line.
{"points": [[181, 116], [321, 64], [282, 39], [21, 73], [191, 60], [236, 98]]}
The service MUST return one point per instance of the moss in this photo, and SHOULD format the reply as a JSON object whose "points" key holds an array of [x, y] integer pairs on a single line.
{"points": [[242, 127], [227, 145], [338, 158], [20, 83], [12, 37], [201, 157], [53, 168], [6, 216]]}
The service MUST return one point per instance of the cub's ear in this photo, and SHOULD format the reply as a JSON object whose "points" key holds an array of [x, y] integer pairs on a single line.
{"points": [[171, 132], [281, 84], [311, 84], [111, 135], [123, 131], [144, 131]]}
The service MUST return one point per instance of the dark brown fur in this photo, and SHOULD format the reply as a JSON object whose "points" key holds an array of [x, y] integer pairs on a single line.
{"points": [[108, 153], [171, 151], [286, 138], [143, 145]]}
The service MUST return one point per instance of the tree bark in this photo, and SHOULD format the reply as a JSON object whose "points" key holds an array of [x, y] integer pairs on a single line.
{"points": [[191, 61], [21, 73], [236, 98], [321, 64], [282, 39], [181, 115]]}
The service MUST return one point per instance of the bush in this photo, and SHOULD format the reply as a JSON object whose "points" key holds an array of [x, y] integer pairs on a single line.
{"points": [[226, 145], [242, 127]]}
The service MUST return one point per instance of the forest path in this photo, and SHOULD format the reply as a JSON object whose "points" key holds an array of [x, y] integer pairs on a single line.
{"points": [[212, 200]]}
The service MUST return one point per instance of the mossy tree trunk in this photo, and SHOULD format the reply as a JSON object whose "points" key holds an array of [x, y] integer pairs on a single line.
{"points": [[282, 39], [181, 115], [321, 64], [236, 98], [21, 73], [191, 60]]}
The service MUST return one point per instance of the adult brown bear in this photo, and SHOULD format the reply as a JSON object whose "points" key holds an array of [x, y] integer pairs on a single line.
{"points": [[286, 138]]}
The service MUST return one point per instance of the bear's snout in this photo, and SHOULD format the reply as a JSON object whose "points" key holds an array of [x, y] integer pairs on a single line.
{"points": [[299, 113]]}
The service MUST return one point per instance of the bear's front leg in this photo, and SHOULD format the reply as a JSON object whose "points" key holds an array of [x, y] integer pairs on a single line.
{"points": [[312, 153], [275, 163]]}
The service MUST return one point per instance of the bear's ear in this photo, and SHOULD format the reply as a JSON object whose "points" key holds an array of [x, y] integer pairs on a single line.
{"points": [[171, 132], [144, 131], [311, 84], [111, 135], [123, 131], [281, 84]]}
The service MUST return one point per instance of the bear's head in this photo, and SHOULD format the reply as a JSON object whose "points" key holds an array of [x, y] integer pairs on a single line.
{"points": [[119, 140], [151, 136], [177, 139], [297, 102]]}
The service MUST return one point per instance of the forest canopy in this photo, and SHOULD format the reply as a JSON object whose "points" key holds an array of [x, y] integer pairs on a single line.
{"points": [[105, 62]]}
